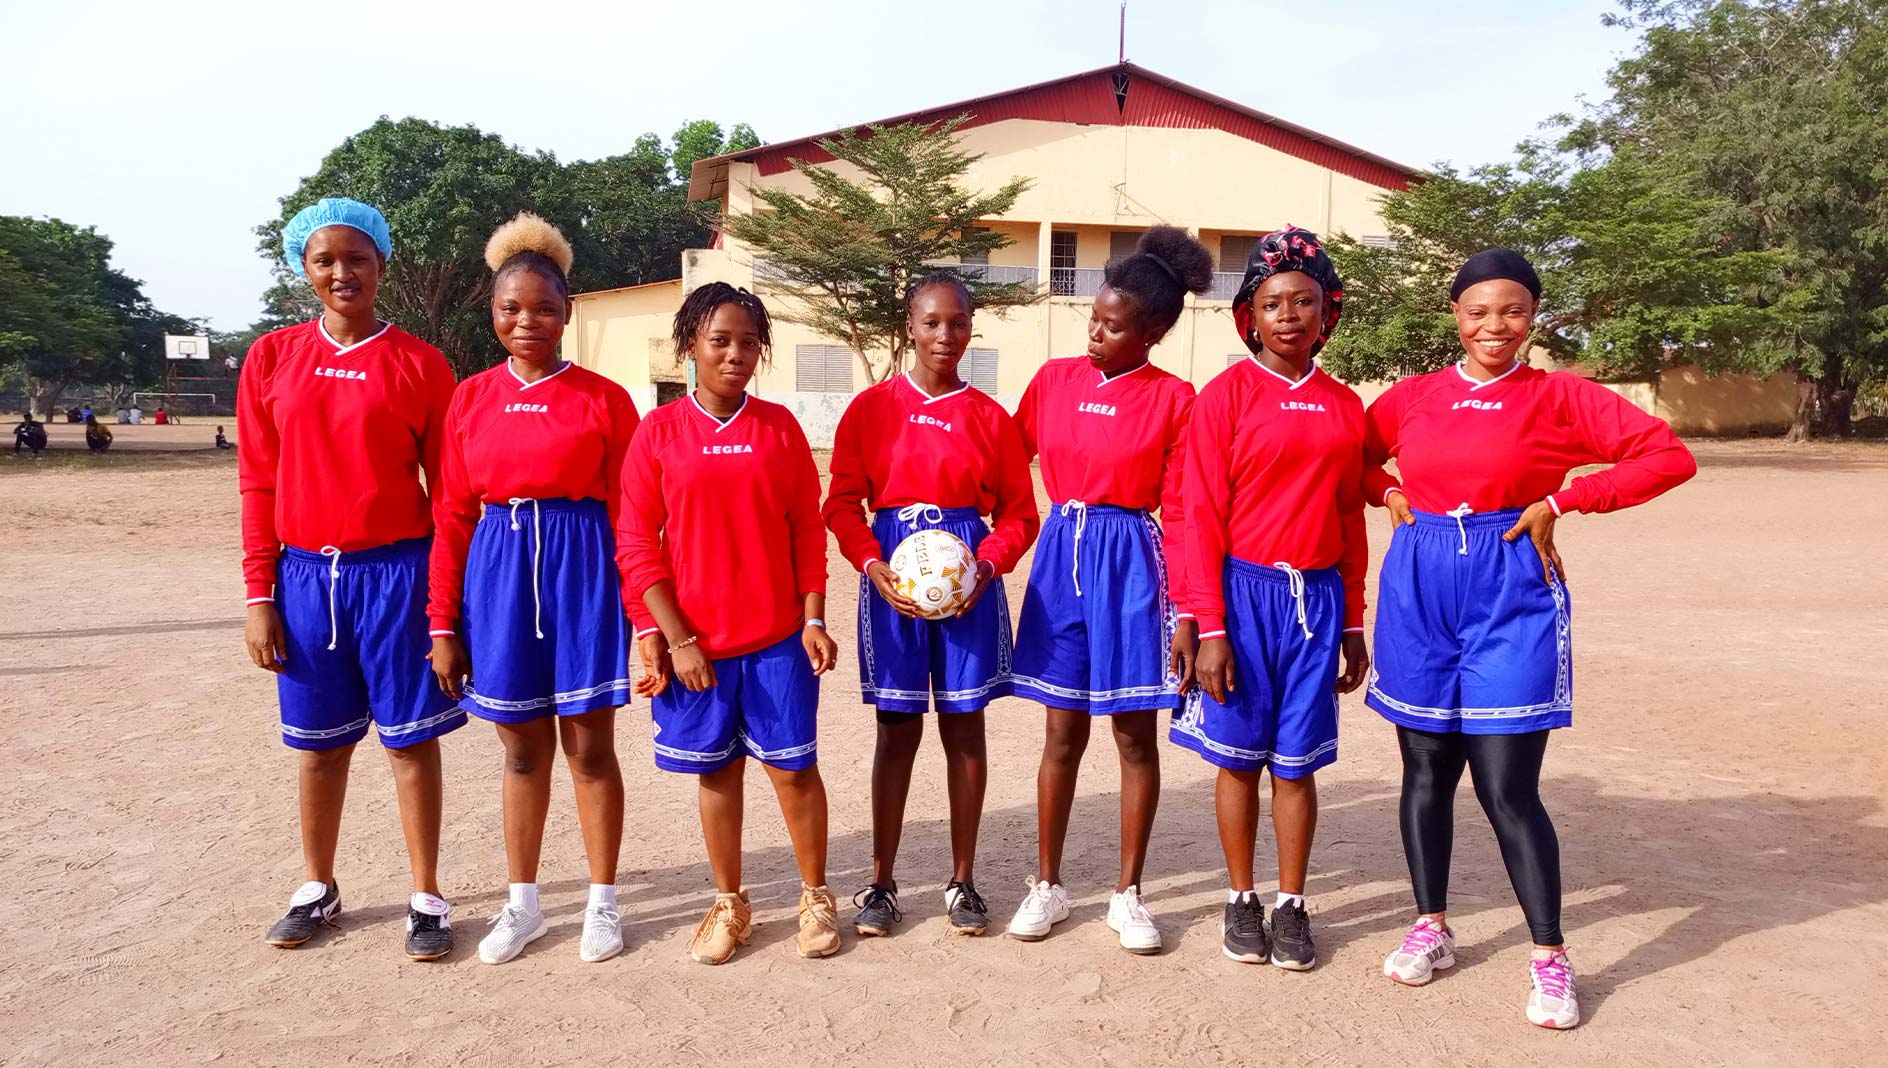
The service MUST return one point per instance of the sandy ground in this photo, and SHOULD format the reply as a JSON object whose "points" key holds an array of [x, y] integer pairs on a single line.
{"points": [[1721, 802]]}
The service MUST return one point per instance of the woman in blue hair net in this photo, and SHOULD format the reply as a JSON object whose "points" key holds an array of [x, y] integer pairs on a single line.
{"points": [[339, 418]]}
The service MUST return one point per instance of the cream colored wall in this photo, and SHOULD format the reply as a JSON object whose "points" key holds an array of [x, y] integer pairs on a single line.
{"points": [[611, 333]]}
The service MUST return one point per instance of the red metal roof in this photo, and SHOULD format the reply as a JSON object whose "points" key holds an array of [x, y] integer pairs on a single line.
{"points": [[1089, 99]]}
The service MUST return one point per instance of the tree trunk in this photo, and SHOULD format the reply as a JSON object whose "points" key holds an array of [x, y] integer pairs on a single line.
{"points": [[1837, 402], [1802, 423], [44, 394]]}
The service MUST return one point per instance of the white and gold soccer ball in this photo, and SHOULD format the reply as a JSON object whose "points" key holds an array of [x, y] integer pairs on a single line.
{"points": [[937, 570]]}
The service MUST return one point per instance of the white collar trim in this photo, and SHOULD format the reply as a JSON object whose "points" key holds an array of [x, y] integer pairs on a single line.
{"points": [[1460, 369], [1105, 380], [928, 399], [1289, 384], [343, 350], [522, 384], [719, 425]]}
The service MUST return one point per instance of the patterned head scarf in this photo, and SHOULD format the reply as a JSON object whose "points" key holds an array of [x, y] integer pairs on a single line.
{"points": [[1278, 252]]}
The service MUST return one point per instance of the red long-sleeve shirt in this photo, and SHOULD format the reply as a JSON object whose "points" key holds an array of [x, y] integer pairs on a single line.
{"points": [[563, 436], [1275, 475], [1510, 442], [896, 446], [730, 513], [1118, 441], [334, 440]]}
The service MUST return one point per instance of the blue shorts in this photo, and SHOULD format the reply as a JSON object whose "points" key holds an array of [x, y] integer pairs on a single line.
{"points": [[961, 662], [1097, 624], [1283, 710], [543, 617], [357, 646], [1468, 636], [763, 703]]}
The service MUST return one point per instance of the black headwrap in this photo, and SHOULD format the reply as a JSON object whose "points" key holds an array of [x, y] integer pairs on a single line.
{"points": [[1290, 249], [1493, 263]]}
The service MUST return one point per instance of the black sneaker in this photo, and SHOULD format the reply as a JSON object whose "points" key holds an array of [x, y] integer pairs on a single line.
{"points": [[1292, 947], [969, 915], [878, 913], [428, 936], [1242, 930], [308, 912]]}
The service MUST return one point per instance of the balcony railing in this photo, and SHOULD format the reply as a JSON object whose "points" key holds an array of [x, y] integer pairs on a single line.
{"points": [[766, 273], [1225, 285], [1075, 281]]}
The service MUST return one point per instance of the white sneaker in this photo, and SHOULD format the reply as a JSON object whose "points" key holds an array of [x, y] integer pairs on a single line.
{"points": [[512, 930], [602, 934], [1128, 915], [1426, 949], [1552, 1003], [1046, 906]]}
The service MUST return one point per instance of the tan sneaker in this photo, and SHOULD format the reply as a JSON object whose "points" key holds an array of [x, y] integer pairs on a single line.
{"points": [[819, 922], [728, 924]]}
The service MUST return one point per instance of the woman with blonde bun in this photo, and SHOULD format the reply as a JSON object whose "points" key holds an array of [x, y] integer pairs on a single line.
{"points": [[525, 578]]}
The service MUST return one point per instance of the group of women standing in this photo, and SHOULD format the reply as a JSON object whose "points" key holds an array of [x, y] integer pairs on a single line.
{"points": [[561, 528]]}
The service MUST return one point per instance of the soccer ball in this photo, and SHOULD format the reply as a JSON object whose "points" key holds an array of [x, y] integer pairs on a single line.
{"points": [[936, 569]]}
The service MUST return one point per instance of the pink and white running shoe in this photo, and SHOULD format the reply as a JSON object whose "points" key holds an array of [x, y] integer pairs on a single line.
{"points": [[1426, 949], [1551, 1003]]}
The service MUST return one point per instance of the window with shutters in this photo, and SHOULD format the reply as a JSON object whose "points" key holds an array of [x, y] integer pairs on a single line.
{"points": [[1062, 263], [822, 369], [1377, 241], [977, 257], [1121, 245], [980, 369], [1234, 251]]}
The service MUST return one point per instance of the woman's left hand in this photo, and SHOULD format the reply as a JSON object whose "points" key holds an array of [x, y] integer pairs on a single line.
{"points": [[1181, 654], [1537, 522], [1356, 663], [821, 651], [986, 572]]}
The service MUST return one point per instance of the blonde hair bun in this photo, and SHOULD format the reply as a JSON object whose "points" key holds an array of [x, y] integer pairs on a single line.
{"points": [[528, 233]]}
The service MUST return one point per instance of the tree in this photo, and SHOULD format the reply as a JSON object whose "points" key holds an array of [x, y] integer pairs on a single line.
{"points": [[1632, 278], [445, 189], [1778, 111], [847, 251]]}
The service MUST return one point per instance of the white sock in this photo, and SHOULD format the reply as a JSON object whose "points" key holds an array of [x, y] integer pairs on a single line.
{"points": [[603, 894], [1232, 896], [1288, 899], [431, 904], [525, 896]]}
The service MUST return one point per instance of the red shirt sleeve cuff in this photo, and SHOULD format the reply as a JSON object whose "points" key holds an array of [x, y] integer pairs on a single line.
{"points": [[1212, 626], [260, 591]]}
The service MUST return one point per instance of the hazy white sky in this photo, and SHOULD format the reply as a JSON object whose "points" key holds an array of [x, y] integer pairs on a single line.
{"points": [[175, 127]]}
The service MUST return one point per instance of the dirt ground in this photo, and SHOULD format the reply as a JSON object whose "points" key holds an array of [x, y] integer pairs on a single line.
{"points": [[1720, 801]]}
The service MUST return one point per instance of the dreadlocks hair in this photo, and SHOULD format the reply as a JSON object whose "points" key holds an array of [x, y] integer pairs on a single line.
{"points": [[700, 305], [940, 278], [528, 243], [1167, 265]]}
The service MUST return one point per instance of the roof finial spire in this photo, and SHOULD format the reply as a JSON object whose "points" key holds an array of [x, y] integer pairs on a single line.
{"points": [[1121, 54]]}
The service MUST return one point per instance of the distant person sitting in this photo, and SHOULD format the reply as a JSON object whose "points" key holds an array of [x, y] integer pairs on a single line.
{"points": [[97, 438], [84, 414], [73, 415], [221, 441], [137, 415], [161, 418], [124, 414], [30, 434]]}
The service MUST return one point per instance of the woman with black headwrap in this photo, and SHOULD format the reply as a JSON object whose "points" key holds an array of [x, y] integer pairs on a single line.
{"points": [[1276, 561], [1474, 625]]}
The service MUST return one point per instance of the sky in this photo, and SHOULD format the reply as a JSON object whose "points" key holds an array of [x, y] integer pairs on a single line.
{"points": [[175, 128]]}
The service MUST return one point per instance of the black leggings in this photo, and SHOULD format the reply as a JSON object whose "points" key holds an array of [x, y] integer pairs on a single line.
{"points": [[1507, 773]]}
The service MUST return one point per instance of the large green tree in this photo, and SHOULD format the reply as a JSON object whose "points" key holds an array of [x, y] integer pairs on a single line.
{"points": [[68, 318], [847, 251], [1776, 110], [1632, 274], [444, 189]]}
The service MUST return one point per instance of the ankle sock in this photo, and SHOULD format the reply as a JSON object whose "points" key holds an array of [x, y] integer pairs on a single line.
{"points": [[603, 894], [1288, 899], [525, 896], [1232, 896]]}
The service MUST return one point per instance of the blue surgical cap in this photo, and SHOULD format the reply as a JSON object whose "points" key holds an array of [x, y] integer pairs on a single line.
{"points": [[333, 211]]}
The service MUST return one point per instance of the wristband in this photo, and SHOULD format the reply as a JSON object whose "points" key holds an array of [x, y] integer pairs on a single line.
{"points": [[820, 623]]}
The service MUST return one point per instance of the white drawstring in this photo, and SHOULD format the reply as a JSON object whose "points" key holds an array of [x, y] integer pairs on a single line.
{"points": [[334, 574], [537, 546], [910, 513], [1297, 580], [1081, 524], [1457, 514]]}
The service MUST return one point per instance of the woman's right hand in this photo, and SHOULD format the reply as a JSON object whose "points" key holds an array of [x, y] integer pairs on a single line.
{"points": [[654, 650], [265, 638], [1398, 504], [451, 666], [887, 584], [1212, 669], [693, 667]]}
